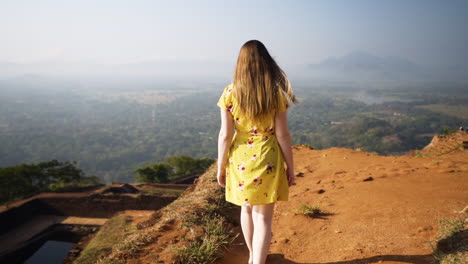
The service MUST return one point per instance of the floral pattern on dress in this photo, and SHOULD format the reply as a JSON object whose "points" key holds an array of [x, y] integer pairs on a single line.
{"points": [[250, 143], [270, 130], [254, 131], [255, 171], [240, 186], [269, 167], [241, 167], [257, 181]]}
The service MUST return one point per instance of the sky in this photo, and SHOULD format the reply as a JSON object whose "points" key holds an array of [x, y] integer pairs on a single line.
{"points": [[295, 32]]}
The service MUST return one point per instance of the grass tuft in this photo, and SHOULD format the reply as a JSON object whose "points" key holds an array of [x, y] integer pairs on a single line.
{"points": [[201, 217], [310, 211], [451, 245], [206, 248]]}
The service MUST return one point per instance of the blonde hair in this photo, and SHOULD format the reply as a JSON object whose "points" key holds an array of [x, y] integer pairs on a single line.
{"points": [[258, 80]]}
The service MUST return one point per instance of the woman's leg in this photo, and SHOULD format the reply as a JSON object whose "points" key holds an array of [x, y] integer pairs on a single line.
{"points": [[247, 228], [262, 218]]}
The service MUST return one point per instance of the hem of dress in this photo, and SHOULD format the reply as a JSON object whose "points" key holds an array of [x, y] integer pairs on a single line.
{"points": [[276, 200]]}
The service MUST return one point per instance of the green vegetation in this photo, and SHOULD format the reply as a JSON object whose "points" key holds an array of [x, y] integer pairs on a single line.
{"points": [[23, 180], [156, 173], [310, 211], [459, 111], [207, 223], [182, 166], [111, 135], [201, 217], [451, 245], [447, 131], [208, 246], [173, 168], [113, 231]]}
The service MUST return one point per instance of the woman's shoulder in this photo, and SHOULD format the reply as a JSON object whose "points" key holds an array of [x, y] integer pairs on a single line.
{"points": [[228, 90], [226, 101]]}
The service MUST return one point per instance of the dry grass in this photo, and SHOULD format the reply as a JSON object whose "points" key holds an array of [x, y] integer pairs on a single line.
{"points": [[110, 234], [209, 241], [165, 191], [310, 211], [451, 245], [200, 217]]}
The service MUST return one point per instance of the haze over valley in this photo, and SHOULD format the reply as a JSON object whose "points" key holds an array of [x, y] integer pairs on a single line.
{"points": [[114, 124]]}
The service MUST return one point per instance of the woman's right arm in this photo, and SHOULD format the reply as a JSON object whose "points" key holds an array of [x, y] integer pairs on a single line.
{"points": [[284, 139]]}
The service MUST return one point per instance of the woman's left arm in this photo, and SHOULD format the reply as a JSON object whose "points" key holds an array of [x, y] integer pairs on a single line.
{"points": [[224, 143]]}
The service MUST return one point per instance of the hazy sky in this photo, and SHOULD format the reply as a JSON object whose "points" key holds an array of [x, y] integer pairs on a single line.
{"points": [[295, 32]]}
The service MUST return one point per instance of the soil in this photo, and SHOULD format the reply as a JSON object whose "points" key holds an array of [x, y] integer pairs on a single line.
{"points": [[375, 209]]}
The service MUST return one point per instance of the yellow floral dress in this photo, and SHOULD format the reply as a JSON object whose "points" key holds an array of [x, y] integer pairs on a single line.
{"points": [[255, 171]]}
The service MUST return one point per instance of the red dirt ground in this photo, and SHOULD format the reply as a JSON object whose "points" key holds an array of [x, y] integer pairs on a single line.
{"points": [[385, 220]]}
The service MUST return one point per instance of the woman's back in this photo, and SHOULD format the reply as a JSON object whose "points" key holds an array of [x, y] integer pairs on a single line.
{"points": [[245, 126], [251, 161], [256, 164]]}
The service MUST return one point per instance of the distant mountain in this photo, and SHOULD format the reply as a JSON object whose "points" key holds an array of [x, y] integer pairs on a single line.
{"points": [[175, 69], [362, 66]]}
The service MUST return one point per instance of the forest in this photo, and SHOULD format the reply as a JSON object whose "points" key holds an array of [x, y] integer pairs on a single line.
{"points": [[23, 180], [111, 133]]}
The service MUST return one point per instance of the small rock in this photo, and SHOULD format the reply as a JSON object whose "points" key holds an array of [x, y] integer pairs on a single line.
{"points": [[337, 231], [286, 240], [423, 229], [307, 189], [319, 181], [300, 174], [368, 179], [321, 191]]}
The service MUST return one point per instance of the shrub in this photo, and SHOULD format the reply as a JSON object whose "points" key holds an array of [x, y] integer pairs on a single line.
{"points": [[451, 245], [310, 211]]}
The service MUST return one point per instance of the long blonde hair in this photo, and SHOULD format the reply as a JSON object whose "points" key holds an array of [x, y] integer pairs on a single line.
{"points": [[258, 80]]}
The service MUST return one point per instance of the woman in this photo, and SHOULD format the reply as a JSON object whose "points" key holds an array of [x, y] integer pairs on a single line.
{"points": [[251, 161]]}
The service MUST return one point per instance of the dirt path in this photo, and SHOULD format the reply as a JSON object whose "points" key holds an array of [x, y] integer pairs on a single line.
{"points": [[384, 220]]}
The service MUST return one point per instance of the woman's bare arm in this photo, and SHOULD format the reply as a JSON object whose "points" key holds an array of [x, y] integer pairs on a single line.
{"points": [[284, 139], [226, 133]]}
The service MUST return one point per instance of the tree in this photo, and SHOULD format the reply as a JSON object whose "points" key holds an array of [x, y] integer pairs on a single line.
{"points": [[25, 179], [156, 173], [185, 165]]}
